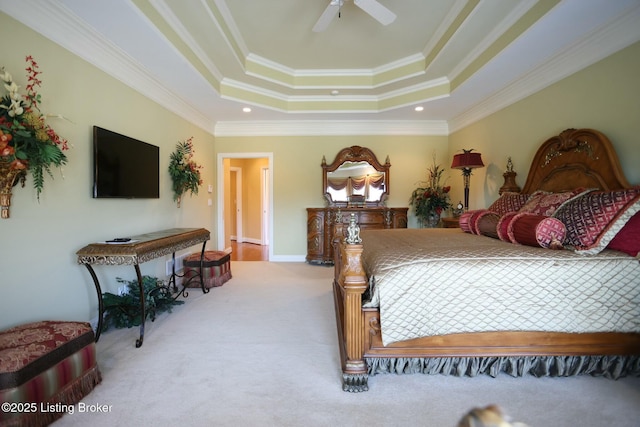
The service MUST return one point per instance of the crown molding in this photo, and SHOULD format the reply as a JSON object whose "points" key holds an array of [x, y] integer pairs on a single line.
{"points": [[331, 128], [371, 78], [510, 20], [424, 92], [58, 24], [183, 33], [599, 44]]}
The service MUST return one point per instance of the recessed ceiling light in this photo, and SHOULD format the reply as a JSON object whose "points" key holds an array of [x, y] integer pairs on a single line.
{"points": [[246, 109], [419, 108]]}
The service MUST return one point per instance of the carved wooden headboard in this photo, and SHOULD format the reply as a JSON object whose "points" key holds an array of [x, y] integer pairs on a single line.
{"points": [[577, 158]]}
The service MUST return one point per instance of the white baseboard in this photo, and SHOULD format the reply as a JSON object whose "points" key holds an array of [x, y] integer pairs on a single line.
{"points": [[250, 240], [288, 258]]}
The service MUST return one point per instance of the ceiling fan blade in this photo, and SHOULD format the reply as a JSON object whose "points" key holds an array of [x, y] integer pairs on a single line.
{"points": [[327, 16], [376, 10]]}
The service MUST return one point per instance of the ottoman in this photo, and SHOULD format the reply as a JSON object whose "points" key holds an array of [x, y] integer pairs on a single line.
{"points": [[216, 269], [45, 368]]}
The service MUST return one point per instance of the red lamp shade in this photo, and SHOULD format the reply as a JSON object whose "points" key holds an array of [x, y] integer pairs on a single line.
{"points": [[467, 160]]}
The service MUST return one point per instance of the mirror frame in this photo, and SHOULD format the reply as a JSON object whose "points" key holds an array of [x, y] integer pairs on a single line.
{"points": [[355, 153]]}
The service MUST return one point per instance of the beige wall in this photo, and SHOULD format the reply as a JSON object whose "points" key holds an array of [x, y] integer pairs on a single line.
{"points": [[39, 276], [604, 96]]}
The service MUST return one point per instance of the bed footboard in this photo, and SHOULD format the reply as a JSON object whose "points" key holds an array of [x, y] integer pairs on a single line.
{"points": [[362, 353], [350, 282]]}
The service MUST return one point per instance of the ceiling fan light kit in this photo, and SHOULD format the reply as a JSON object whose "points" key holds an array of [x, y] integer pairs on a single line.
{"points": [[376, 10]]}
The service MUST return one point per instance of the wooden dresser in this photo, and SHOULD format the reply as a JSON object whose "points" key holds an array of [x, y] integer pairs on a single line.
{"points": [[321, 223]]}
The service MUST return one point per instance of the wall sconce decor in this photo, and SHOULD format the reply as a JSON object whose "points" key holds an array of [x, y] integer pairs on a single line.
{"points": [[466, 161]]}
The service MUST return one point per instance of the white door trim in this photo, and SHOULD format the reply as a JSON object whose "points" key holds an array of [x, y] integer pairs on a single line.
{"points": [[220, 194], [264, 205], [238, 206]]}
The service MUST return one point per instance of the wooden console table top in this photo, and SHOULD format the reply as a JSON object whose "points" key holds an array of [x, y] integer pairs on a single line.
{"points": [[143, 247]]}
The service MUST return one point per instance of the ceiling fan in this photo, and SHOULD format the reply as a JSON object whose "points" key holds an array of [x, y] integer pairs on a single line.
{"points": [[372, 7]]}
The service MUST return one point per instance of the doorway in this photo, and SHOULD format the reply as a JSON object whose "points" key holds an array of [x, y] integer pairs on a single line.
{"points": [[239, 199]]}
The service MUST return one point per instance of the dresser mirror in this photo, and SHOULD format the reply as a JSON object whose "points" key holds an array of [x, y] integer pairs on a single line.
{"points": [[355, 178]]}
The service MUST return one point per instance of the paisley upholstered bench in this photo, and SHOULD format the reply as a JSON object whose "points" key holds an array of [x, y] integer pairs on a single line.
{"points": [[216, 269], [45, 367]]}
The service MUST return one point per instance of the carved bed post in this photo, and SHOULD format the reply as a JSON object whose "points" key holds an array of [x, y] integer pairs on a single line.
{"points": [[354, 283]]}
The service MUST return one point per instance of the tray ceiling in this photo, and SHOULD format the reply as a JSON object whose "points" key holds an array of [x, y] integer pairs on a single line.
{"points": [[459, 60]]}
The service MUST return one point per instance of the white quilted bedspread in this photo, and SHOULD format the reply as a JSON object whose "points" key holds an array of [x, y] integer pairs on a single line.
{"points": [[442, 281]]}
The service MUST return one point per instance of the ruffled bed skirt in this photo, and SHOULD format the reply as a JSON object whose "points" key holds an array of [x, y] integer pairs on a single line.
{"points": [[612, 367]]}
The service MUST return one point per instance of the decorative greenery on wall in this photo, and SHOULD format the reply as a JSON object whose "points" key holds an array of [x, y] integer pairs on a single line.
{"points": [[184, 171], [27, 143]]}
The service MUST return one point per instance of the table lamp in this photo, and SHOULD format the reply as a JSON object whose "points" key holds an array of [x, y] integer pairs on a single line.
{"points": [[466, 161]]}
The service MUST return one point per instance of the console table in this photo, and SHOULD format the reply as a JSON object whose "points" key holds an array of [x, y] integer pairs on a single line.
{"points": [[139, 249]]}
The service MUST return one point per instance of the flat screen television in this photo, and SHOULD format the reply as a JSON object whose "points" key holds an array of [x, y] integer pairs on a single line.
{"points": [[124, 167]]}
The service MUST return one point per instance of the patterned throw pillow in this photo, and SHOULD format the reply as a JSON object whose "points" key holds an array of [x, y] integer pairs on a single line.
{"points": [[594, 219], [537, 230], [545, 203], [509, 202]]}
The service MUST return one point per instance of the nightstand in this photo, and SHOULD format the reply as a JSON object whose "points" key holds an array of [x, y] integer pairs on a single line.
{"points": [[450, 222]]}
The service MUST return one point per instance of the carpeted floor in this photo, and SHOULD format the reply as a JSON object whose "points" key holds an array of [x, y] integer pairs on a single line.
{"points": [[262, 351]]}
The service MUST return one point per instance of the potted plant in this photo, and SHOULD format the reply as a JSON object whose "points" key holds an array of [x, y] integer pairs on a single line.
{"points": [[430, 198]]}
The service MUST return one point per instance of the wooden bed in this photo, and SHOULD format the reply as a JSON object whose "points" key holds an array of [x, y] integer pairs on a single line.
{"points": [[582, 158]]}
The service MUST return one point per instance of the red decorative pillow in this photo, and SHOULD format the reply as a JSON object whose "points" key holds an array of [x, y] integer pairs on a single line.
{"points": [[473, 221], [464, 222], [467, 220], [503, 226], [545, 203], [595, 218], [628, 238], [537, 230], [487, 224], [509, 202]]}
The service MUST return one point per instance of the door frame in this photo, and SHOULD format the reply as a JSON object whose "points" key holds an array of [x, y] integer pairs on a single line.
{"points": [[238, 206], [221, 194], [265, 207]]}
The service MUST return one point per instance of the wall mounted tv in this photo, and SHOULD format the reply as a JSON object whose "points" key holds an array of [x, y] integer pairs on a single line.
{"points": [[124, 167]]}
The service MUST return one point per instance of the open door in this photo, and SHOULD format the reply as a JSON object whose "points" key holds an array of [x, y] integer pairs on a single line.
{"points": [[226, 205]]}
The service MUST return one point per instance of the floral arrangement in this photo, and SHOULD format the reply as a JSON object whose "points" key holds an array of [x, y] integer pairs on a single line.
{"points": [[184, 171], [27, 143], [431, 197]]}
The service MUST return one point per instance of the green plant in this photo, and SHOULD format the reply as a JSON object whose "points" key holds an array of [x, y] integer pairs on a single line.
{"points": [[184, 171], [27, 143], [431, 196], [123, 311]]}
